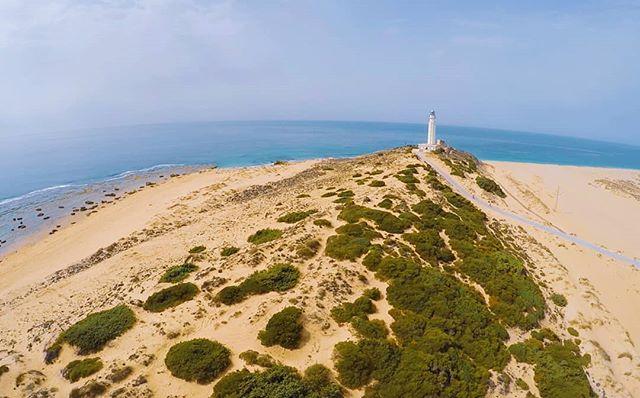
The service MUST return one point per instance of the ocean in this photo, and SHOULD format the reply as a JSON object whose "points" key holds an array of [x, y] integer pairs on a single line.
{"points": [[58, 172]]}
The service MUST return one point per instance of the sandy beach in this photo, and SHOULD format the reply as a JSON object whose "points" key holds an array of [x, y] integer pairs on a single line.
{"points": [[118, 254]]}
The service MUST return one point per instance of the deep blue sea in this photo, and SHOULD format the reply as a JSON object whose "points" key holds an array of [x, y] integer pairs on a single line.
{"points": [[41, 171]]}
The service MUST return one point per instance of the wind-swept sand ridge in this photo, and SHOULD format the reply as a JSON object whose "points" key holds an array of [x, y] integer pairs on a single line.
{"points": [[49, 285]]}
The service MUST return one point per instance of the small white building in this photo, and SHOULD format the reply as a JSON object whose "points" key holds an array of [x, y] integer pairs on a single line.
{"points": [[432, 143]]}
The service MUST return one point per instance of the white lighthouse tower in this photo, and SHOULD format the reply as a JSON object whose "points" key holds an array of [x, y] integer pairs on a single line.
{"points": [[432, 143]]}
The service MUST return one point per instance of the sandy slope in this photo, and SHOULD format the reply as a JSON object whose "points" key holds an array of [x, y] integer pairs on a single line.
{"points": [[48, 285]]}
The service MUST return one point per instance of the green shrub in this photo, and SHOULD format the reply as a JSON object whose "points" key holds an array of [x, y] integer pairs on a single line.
{"points": [[199, 360], [278, 382], [385, 203], [490, 186], [352, 241], [90, 390], [384, 220], [197, 249], [430, 247], [358, 363], [3, 369], [559, 300], [359, 308], [284, 329], [230, 295], [370, 329], [558, 365], [178, 273], [277, 278], [308, 248], [171, 297], [346, 194], [322, 223], [377, 183], [79, 369], [303, 195], [573, 331], [92, 333], [328, 194], [264, 236], [296, 216], [229, 251], [252, 357]]}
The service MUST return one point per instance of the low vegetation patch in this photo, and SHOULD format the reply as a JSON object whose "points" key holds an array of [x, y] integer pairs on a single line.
{"points": [[252, 357], [264, 236], [277, 278], [370, 329], [559, 300], [308, 248], [197, 249], [178, 273], [377, 183], [171, 297], [360, 308], [92, 333], [284, 329], [385, 203], [321, 222], [490, 186], [384, 220], [352, 241], [278, 382], [79, 369], [559, 367], [199, 360], [229, 251], [90, 390], [294, 217]]}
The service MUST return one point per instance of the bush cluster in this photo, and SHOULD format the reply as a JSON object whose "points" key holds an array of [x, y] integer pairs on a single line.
{"points": [[352, 241], [559, 300], [385, 203], [92, 333], [559, 367], [284, 329], [264, 236], [171, 297], [199, 360], [178, 273], [308, 248], [384, 220], [252, 357], [79, 369], [490, 186], [278, 382], [229, 251], [322, 223], [360, 308], [370, 329], [294, 217], [277, 278], [197, 249], [377, 183]]}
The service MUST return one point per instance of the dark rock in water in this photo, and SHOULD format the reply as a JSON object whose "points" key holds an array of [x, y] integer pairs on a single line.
{"points": [[116, 189], [110, 194], [19, 218], [73, 213], [39, 209], [46, 218], [161, 176], [83, 208], [40, 214], [88, 202], [60, 207]]}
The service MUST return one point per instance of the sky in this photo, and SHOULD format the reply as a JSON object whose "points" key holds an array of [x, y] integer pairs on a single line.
{"points": [[568, 67]]}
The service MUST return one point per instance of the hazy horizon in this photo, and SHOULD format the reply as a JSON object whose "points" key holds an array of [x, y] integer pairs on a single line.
{"points": [[562, 69]]}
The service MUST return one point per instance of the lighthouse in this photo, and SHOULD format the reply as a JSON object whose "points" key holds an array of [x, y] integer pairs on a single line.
{"points": [[432, 143]]}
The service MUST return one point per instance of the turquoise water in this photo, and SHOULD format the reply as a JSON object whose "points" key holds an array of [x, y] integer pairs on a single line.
{"points": [[40, 170]]}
